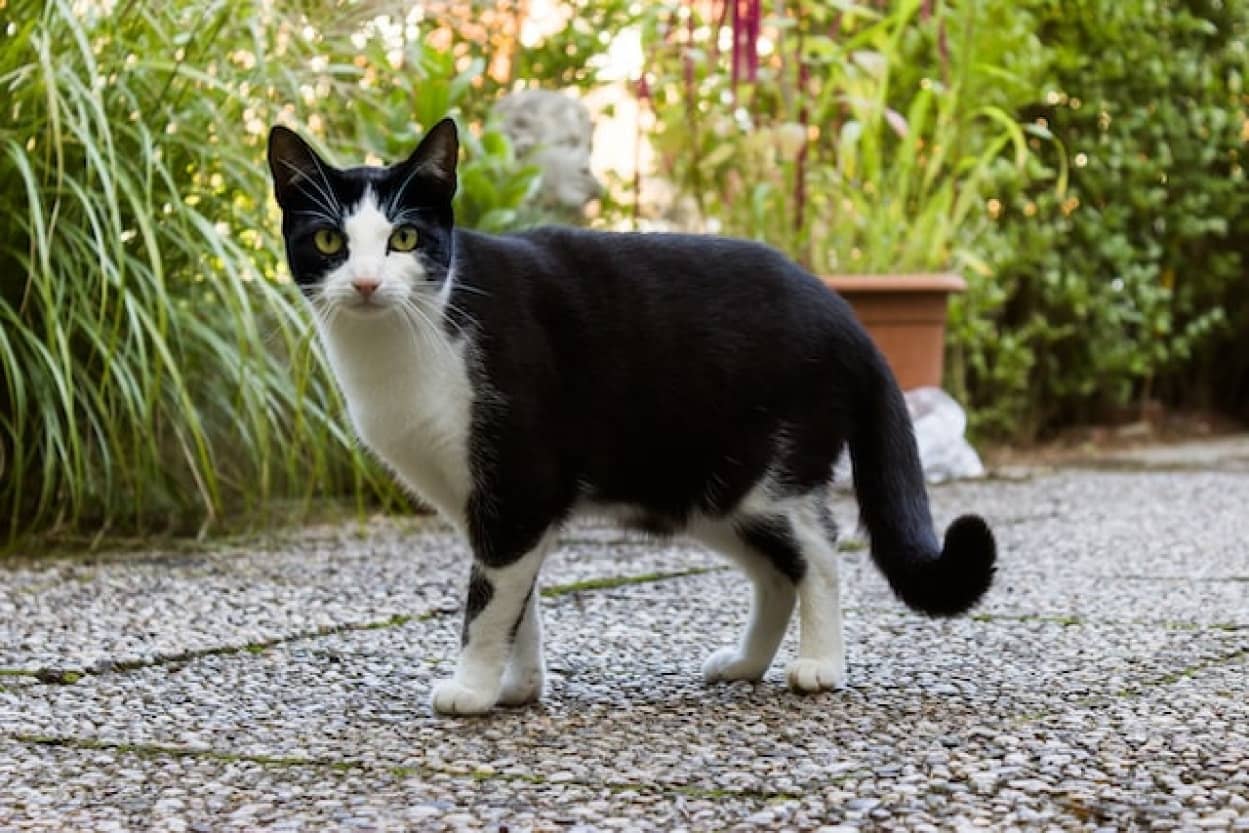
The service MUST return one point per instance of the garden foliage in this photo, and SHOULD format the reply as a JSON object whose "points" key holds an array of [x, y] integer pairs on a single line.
{"points": [[857, 146], [1131, 284], [157, 369], [1080, 163]]}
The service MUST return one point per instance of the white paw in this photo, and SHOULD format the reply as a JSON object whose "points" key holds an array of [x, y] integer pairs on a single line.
{"points": [[727, 664], [816, 674], [522, 687], [453, 697]]}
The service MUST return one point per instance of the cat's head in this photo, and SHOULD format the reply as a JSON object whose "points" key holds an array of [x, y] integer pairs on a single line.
{"points": [[366, 240]]}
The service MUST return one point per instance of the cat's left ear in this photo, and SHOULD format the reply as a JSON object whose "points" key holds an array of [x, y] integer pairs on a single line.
{"points": [[294, 163], [435, 157]]}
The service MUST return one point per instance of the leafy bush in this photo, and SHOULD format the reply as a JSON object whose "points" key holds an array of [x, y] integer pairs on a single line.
{"points": [[1131, 284], [156, 367]]}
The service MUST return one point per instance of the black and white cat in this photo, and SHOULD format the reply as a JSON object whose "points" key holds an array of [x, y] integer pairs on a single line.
{"points": [[679, 383]]}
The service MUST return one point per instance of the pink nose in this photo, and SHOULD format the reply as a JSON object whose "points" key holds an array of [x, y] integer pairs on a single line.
{"points": [[365, 286]]}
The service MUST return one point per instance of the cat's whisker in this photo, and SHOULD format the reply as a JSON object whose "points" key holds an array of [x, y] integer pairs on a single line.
{"points": [[323, 199], [322, 206], [441, 334], [398, 194], [320, 215], [472, 290], [423, 334], [324, 310], [459, 328], [415, 330], [329, 189], [430, 330], [405, 215]]}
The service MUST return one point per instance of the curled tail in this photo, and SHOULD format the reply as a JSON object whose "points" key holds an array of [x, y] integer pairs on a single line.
{"points": [[893, 506]]}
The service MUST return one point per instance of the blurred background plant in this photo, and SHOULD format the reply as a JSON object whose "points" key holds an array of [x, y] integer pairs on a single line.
{"points": [[855, 138], [1079, 164]]}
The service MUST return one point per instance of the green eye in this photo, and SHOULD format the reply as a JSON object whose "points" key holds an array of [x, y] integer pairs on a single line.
{"points": [[328, 241], [403, 239]]}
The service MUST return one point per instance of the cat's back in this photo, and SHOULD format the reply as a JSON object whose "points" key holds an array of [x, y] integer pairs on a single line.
{"points": [[639, 275], [676, 259], [692, 310]]}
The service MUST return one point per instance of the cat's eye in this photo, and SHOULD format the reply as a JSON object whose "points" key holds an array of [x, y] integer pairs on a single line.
{"points": [[403, 239], [328, 241]]}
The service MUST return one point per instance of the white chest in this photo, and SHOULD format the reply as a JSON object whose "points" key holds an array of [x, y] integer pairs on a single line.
{"points": [[410, 400]]}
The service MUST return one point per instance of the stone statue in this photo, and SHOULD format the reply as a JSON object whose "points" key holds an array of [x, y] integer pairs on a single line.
{"points": [[554, 132]]}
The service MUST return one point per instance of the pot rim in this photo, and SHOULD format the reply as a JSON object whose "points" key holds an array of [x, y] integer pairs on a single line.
{"points": [[892, 282]]}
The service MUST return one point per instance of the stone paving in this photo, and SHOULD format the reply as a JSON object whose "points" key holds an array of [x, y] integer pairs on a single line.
{"points": [[283, 683]]}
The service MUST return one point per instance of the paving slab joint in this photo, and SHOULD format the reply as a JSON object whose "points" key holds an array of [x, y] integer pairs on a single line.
{"points": [[611, 582], [69, 675], [419, 771], [165, 750]]}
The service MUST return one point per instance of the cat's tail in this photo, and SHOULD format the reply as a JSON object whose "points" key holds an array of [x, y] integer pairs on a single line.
{"points": [[893, 505]]}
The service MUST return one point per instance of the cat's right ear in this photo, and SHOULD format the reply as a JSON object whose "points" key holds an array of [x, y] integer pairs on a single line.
{"points": [[295, 165], [435, 158]]}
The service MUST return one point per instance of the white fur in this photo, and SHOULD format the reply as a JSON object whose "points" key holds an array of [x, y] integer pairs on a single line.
{"points": [[406, 383], [771, 605], [525, 678], [491, 669], [410, 398], [821, 660]]}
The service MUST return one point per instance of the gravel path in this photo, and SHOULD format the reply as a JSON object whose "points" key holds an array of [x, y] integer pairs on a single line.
{"points": [[283, 685]]}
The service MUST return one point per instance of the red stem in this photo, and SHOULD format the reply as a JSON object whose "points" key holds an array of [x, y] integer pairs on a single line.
{"points": [[752, 42], [800, 172]]}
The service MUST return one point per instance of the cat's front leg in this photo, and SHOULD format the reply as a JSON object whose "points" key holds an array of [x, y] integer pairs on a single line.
{"points": [[494, 615], [526, 672]]}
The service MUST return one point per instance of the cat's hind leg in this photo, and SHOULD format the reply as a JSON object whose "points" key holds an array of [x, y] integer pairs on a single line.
{"points": [[821, 662], [764, 551]]}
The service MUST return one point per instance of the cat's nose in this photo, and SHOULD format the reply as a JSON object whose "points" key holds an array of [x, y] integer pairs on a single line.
{"points": [[365, 286]]}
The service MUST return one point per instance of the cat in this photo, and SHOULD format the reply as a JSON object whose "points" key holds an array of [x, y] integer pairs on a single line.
{"points": [[678, 383]]}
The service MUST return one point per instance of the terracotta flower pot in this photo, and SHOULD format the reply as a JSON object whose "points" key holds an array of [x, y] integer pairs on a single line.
{"points": [[905, 315]]}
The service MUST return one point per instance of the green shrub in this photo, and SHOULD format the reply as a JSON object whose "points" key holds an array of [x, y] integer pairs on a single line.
{"points": [[156, 368], [1131, 284]]}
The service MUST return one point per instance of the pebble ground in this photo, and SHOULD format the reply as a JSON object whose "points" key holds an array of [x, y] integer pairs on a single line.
{"points": [[283, 684]]}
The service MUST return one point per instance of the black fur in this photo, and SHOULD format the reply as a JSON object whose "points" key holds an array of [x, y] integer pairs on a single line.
{"points": [[663, 371], [480, 592], [667, 372], [893, 505], [774, 539], [827, 521], [524, 608]]}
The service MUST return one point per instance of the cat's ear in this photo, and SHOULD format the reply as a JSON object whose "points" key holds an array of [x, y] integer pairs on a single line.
{"points": [[295, 165], [435, 157]]}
